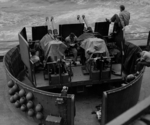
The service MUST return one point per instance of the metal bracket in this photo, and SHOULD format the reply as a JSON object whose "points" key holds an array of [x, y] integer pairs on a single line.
{"points": [[59, 101]]}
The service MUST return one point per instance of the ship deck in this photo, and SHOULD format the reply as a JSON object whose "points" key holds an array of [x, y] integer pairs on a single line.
{"points": [[78, 79], [85, 104]]}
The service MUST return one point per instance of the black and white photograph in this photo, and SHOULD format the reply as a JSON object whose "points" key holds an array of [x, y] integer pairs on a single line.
{"points": [[74, 62]]}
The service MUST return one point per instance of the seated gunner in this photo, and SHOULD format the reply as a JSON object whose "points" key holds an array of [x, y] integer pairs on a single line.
{"points": [[71, 42], [144, 60], [35, 53]]}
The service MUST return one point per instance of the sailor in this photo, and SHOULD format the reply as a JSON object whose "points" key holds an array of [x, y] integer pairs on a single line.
{"points": [[144, 60], [121, 20], [71, 42], [36, 55]]}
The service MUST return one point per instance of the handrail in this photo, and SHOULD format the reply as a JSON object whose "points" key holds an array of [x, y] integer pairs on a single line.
{"points": [[139, 37], [136, 32], [101, 58], [136, 38]]}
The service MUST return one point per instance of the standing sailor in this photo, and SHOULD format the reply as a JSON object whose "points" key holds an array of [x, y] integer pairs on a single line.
{"points": [[121, 20]]}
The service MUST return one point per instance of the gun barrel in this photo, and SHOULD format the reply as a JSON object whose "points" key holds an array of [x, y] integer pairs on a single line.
{"points": [[85, 21], [48, 23], [79, 19], [52, 21], [53, 27]]}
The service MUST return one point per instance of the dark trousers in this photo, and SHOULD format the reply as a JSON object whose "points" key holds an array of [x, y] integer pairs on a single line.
{"points": [[117, 23], [82, 56]]}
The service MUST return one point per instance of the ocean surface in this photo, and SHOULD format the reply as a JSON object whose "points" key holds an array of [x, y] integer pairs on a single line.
{"points": [[15, 14]]}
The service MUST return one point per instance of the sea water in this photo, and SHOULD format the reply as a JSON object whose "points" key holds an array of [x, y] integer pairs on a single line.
{"points": [[15, 14]]}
